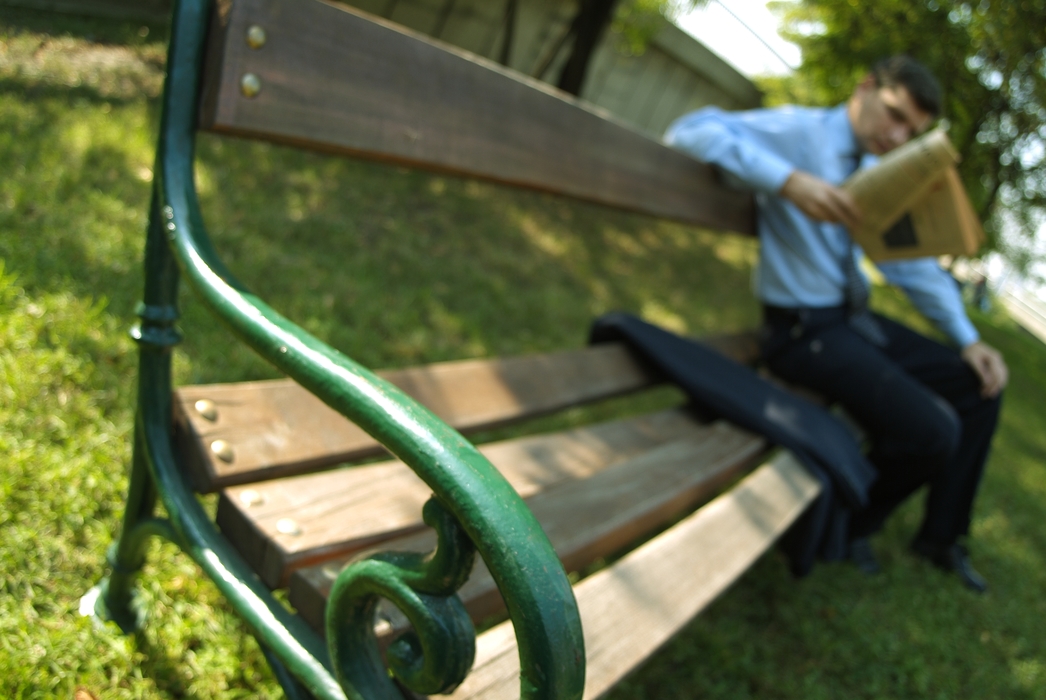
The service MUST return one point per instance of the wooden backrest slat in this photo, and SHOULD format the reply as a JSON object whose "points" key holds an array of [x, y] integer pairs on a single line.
{"points": [[336, 79]]}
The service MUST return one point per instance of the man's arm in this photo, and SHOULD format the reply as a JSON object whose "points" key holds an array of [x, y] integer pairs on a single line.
{"points": [[738, 142], [934, 292]]}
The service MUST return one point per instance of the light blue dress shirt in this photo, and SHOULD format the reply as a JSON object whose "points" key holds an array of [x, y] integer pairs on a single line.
{"points": [[801, 261]]}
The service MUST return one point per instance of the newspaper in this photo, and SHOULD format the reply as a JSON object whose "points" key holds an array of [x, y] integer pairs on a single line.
{"points": [[913, 203]]}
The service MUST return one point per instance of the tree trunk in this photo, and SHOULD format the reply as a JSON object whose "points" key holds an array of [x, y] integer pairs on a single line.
{"points": [[588, 25]]}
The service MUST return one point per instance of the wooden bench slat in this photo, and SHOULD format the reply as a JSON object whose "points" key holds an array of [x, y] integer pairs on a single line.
{"points": [[336, 79], [335, 513], [586, 518], [656, 589], [276, 428]]}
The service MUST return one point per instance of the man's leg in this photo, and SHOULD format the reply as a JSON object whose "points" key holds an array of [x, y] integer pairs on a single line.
{"points": [[911, 435], [949, 502], [913, 432]]}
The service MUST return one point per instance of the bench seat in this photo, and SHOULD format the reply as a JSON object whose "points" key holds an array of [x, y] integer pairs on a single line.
{"points": [[251, 431], [587, 518], [594, 490], [655, 590], [280, 525], [284, 524]]}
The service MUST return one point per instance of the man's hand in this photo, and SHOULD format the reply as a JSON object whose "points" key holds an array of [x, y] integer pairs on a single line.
{"points": [[989, 366], [820, 200]]}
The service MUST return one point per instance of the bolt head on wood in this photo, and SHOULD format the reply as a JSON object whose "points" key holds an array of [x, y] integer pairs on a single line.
{"points": [[255, 36], [250, 497], [250, 85], [286, 526], [207, 409], [222, 450]]}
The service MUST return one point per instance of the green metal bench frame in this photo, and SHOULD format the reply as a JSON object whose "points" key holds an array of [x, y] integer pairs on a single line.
{"points": [[473, 507]]}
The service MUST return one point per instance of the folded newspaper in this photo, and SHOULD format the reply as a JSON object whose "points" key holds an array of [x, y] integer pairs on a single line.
{"points": [[914, 203]]}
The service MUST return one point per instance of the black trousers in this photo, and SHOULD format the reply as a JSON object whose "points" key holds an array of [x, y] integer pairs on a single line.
{"points": [[918, 401]]}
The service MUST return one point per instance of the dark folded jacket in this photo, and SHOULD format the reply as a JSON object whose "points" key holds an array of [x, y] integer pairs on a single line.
{"points": [[720, 387]]}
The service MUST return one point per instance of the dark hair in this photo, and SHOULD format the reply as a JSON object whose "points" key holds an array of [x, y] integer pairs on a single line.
{"points": [[917, 78]]}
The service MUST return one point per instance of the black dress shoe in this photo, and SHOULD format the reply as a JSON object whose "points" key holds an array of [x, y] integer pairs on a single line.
{"points": [[861, 555], [952, 558]]}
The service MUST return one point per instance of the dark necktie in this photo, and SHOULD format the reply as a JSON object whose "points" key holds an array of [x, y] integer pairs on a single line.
{"points": [[856, 290]]}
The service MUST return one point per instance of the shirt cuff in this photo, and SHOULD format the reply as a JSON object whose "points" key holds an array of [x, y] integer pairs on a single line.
{"points": [[962, 332], [775, 175]]}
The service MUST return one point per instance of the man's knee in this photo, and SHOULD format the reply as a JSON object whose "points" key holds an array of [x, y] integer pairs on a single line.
{"points": [[943, 432], [988, 410], [924, 437]]}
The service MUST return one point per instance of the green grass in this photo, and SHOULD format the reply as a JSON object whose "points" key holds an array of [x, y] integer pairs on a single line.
{"points": [[396, 268]]}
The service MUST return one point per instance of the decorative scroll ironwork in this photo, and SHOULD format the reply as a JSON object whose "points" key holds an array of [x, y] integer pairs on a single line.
{"points": [[437, 654]]}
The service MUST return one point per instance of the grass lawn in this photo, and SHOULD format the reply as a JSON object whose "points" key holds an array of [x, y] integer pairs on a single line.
{"points": [[397, 268]]}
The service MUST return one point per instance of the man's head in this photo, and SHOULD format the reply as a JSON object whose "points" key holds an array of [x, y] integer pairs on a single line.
{"points": [[899, 99]]}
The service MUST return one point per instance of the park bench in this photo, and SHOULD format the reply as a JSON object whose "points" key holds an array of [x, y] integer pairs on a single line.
{"points": [[706, 499]]}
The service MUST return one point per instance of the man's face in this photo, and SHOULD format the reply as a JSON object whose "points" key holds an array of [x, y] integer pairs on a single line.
{"points": [[885, 117]]}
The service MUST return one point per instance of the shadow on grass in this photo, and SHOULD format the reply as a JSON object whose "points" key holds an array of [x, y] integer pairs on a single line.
{"points": [[169, 667], [164, 668]]}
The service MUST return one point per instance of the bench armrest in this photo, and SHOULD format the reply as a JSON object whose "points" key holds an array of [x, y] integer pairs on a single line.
{"points": [[478, 499]]}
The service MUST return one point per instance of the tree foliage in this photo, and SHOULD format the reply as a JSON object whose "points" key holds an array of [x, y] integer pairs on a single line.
{"points": [[990, 57], [633, 22], [636, 22]]}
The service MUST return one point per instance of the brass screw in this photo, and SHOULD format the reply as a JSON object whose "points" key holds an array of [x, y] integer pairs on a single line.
{"points": [[286, 526], [250, 497], [222, 450], [250, 85], [382, 626], [255, 36], [207, 409]]}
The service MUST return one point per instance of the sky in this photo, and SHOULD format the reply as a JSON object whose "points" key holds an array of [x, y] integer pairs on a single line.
{"points": [[725, 33]]}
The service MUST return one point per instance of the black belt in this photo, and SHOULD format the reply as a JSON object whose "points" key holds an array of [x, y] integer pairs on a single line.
{"points": [[806, 318], [803, 320]]}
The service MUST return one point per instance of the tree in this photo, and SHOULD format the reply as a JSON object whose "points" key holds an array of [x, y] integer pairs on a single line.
{"points": [[991, 61], [634, 22], [587, 28]]}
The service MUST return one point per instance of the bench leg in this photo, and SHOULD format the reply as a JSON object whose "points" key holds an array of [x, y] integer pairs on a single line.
{"points": [[115, 598]]}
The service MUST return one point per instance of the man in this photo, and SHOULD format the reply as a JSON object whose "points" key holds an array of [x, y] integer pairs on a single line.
{"points": [[929, 411]]}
